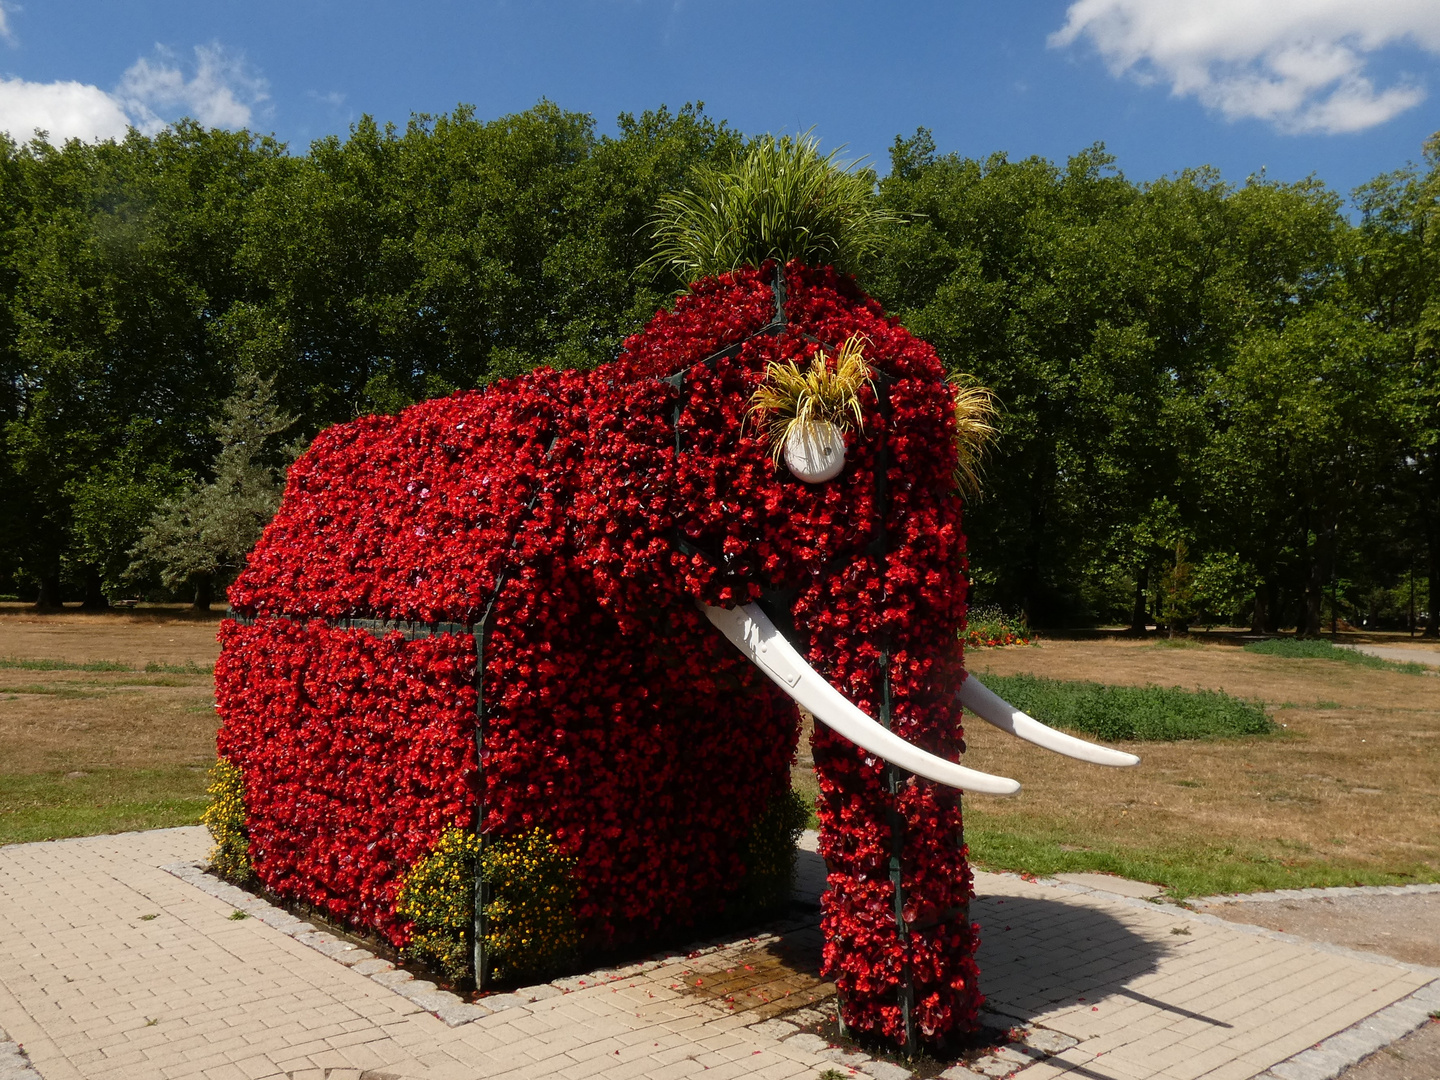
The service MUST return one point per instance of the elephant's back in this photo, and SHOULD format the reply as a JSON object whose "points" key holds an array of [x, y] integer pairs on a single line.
{"points": [[413, 516]]}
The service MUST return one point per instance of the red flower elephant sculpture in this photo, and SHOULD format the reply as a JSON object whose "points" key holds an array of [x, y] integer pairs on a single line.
{"points": [[585, 534]]}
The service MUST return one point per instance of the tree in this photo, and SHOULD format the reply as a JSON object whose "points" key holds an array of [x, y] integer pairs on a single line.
{"points": [[1396, 284], [1306, 427], [203, 537], [120, 258], [407, 264]]}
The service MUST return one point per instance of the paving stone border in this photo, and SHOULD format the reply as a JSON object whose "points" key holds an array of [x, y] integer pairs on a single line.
{"points": [[1310, 894], [1328, 1059], [14, 1062]]}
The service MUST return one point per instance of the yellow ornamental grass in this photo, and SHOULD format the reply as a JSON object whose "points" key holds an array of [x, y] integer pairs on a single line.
{"points": [[976, 414], [790, 398], [225, 818]]}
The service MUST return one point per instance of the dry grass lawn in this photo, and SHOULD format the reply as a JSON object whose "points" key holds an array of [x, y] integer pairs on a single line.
{"points": [[102, 751], [1350, 791]]}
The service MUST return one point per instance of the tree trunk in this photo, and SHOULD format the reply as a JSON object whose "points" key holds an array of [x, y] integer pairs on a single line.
{"points": [[1432, 624], [95, 598], [1260, 616], [204, 592], [1320, 556], [1430, 515], [1139, 616], [49, 599]]}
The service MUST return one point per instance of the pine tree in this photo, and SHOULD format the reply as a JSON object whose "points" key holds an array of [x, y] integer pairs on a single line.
{"points": [[203, 537]]}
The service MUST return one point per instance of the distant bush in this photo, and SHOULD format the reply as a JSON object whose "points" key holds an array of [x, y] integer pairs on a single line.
{"points": [[1320, 649], [1153, 713], [988, 626]]}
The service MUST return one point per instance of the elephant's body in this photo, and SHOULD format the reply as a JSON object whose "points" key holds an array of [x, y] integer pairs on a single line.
{"points": [[567, 524]]}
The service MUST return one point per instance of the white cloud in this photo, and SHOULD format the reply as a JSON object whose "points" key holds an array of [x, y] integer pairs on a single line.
{"points": [[6, 34], [64, 110], [1299, 64], [221, 92]]}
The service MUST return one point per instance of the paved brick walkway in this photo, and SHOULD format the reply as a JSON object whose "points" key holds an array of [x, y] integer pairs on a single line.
{"points": [[112, 967]]}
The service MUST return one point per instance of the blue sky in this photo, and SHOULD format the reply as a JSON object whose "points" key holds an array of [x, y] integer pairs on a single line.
{"points": [[1335, 88]]}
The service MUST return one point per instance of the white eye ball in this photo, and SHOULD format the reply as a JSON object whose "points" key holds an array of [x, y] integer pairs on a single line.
{"points": [[815, 452]]}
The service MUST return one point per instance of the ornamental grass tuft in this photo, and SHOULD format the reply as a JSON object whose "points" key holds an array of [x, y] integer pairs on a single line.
{"points": [[781, 200], [790, 398], [976, 416]]}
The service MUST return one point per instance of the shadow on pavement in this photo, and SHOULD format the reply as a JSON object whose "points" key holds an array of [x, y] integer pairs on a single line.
{"points": [[1037, 955]]}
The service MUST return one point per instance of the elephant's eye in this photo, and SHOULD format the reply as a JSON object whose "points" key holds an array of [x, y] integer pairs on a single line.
{"points": [[806, 412], [815, 452]]}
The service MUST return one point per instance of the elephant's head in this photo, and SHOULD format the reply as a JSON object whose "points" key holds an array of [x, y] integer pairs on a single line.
{"points": [[853, 559], [841, 575]]}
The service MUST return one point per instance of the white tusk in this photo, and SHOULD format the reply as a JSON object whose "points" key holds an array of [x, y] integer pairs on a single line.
{"points": [[752, 632], [983, 702]]}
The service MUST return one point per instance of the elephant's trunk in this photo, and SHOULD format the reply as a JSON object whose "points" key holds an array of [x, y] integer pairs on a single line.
{"points": [[899, 941]]}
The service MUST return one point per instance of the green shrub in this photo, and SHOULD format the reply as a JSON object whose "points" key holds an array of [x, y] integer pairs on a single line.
{"points": [[530, 919], [225, 818], [769, 852], [438, 896], [988, 626], [1320, 649], [1132, 712]]}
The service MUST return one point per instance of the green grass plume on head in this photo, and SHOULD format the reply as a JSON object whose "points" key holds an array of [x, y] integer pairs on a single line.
{"points": [[780, 200]]}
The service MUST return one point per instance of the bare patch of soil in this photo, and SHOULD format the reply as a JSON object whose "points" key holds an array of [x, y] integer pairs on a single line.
{"points": [[1415, 1057], [1405, 927]]}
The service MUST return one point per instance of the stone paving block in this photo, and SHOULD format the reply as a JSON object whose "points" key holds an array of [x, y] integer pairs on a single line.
{"points": [[1048, 1042], [675, 1070], [392, 978], [773, 1029], [848, 1059], [462, 1012], [499, 1002], [806, 1043], [885, 1070]]}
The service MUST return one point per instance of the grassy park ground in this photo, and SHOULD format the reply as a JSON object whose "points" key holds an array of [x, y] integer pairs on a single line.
{"points": [[107, 721], [1346, 792], [107, 724]]}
